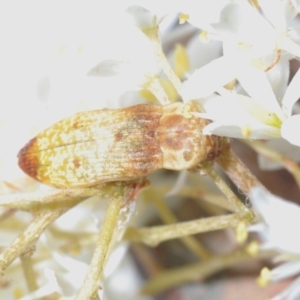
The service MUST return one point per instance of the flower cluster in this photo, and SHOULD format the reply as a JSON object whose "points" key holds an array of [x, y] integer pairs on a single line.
{"points": [[236, 58], [277, 230]]}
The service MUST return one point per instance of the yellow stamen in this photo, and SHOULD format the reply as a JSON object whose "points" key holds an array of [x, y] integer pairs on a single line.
{"points": [[243, 47], [241, 232], [61, 49], [170, 90], [259, 64], [264, 277], [17, 293], [273, 120], [252, 248], [146, 94], [181, 61], [246, 131], [203, 36], [254, 3], [80, 49], [183, 18], [230, 85], [76, 250]]}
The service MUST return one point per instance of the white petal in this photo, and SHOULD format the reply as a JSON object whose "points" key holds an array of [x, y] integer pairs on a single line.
{"points": [[220, 107], [288, 45], [281, 216], [202, 13], [42, 292], [296, 4], [292, 292], [122, 74], [256, 110], [179, 183], [200, 53], [292, 94], [79, 220], [67, 283], [290, 130], [115, 259], [244, 22], [67, 279], [252, 131], [279, 13], [257, 85], [279, 75], [294, 33], [124, 283], [237, 116], [282, 146], [204, 81], [234, 106], [143, 18], [222, 129], [296, 108], [129, 64], [285, 270], [108, 68], [71, 264], [52, 278]]}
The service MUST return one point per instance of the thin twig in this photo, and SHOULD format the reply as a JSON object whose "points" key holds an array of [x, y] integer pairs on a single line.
{"points": [[161, 57], [90, 286], [37, 200], [189, 241], [237, 171], [30, 276], [42, 219], [154, 235], [123, 193], [198, 271], [155, 87], [236, 203]]}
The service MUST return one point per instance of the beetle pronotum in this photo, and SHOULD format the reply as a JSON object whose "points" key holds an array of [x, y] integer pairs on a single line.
{"points": [[107, 145]]}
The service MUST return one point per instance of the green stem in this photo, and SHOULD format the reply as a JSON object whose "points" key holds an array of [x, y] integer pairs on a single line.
{"points": [[28, 271], [235, 202], [161, 57], [155, 87], [198, 271], [42, 219], [189, 241], [90, 286], [154, 235], [237, 171]]}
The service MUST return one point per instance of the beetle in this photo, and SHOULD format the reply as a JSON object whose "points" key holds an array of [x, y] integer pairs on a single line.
{"points": [[94, 147]]}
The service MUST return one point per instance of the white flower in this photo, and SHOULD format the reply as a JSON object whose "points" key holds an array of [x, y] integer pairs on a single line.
{"points": [[252, 45], [248, 40], [282, 220], [259, 116], [123, 282], [201, 14], [143, 18], [64, 276], [131, 63], [279, 231]]}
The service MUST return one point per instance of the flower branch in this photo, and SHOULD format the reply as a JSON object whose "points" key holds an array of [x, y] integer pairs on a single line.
{"points": [[154, 235]]}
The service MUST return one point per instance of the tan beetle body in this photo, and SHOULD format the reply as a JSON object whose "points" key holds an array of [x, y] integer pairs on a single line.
{"points": [[107, 145]]}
